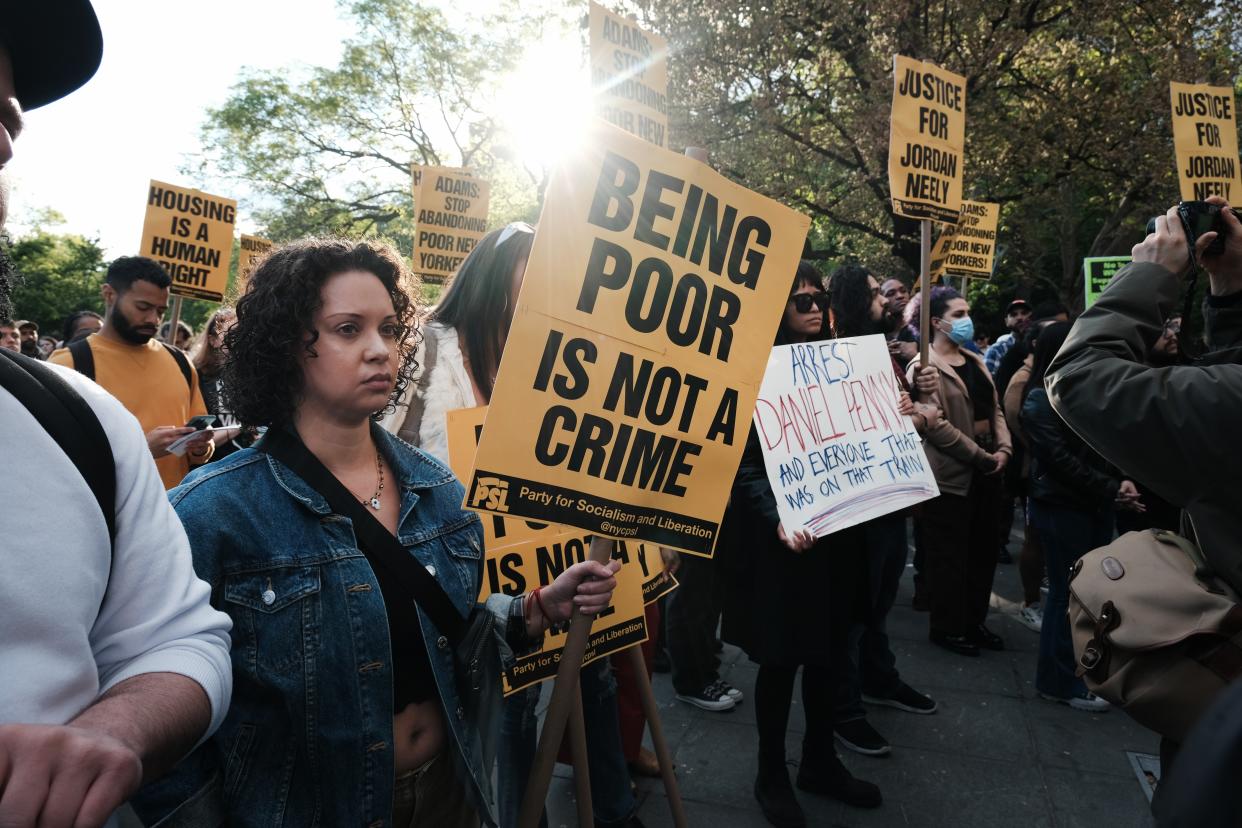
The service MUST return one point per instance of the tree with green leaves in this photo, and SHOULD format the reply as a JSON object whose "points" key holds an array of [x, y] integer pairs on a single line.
{"points": [[1067, 113], [329, 149], [59, 275]]}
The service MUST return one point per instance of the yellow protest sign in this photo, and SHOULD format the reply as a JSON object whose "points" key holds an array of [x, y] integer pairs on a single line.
{"points": [[518, 569], [519, 556], [464, 427], [190, 233], [249, 251], [968, 248], [450, 207], [651, 298], [927, 140], [629, 73], [1205, 139]]}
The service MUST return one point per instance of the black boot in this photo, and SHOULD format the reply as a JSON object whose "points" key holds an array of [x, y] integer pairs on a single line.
{"points": [[776, 796], [821, 772]]}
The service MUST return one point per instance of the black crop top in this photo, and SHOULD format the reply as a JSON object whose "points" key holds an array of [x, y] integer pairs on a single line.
{"points": [[981, 399], [412, 679]]}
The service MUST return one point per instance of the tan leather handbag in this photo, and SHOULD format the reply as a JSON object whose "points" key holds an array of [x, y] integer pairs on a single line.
{"points": [[1155, 631]]}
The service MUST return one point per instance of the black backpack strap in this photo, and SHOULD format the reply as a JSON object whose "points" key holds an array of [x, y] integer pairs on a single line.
{"points": [[70, 422], [374, 540], [83, 358], [182, 363]]}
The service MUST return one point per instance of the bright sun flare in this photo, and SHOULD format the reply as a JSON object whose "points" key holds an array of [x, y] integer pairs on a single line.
{"points": [[545, 103]]}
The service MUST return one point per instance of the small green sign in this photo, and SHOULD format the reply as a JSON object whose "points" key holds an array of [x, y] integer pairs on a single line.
{"points": [[1097, 272]]}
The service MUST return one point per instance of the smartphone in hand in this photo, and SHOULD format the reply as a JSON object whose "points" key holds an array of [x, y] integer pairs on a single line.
{"points": [[201, 422]]}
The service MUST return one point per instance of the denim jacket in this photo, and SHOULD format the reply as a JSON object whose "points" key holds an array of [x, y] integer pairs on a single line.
{"points": [[308, 739]]}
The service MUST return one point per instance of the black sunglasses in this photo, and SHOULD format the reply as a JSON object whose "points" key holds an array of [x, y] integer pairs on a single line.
{"points": [[804, 301]]}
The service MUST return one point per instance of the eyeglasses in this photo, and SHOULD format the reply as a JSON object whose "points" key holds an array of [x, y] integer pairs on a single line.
{"points": [[803, 302], [1172, 328], [512, 229]]}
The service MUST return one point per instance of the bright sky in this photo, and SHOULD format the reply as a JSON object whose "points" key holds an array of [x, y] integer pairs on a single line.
{"points": [[90, 155]]}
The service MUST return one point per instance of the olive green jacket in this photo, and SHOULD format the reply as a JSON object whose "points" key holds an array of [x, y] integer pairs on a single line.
{"points": [[1176, 429]]}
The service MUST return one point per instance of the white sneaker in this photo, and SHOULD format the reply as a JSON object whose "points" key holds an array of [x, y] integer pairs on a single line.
{"points": [[1032, 617], [1091, 703], [730, 690]]}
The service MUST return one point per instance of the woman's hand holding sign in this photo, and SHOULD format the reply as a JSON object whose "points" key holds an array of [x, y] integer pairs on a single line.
{"points": [[587, 586], [800, 541]]}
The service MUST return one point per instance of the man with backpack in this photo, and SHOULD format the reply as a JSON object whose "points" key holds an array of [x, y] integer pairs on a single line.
{"points": [[155, 381], [113, 665]]}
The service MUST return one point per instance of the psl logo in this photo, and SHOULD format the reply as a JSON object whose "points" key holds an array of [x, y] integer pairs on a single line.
{"points": [[491, 493]]}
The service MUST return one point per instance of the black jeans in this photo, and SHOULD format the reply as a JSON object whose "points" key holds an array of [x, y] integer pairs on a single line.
{"points": [[690, 625], [867, 664], [959, 542]]}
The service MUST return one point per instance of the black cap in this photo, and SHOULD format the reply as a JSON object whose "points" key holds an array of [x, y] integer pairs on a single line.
{"points": [[55, 47], [1016, 303]]}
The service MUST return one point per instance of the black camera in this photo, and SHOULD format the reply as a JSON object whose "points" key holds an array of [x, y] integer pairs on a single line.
{"points": [[1199, 217]]}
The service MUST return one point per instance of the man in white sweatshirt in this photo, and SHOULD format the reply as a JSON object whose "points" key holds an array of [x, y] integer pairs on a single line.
{"points": [[113, 665]]}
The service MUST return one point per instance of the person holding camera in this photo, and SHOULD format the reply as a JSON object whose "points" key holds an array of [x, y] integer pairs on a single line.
{"points": [[1170, 427]]}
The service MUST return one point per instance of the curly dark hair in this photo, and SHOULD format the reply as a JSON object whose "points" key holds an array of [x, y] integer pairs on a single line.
{"points": [[851, 301], [275, 316]]}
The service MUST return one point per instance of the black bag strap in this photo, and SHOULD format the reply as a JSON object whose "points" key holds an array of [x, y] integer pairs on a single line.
{"points": [[83, 359], [375, 541], [182, 363], [70, 422]]}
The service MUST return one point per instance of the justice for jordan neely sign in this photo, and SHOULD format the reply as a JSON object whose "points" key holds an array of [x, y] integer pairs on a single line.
{"points": [[927, 141], [1205, 140]]}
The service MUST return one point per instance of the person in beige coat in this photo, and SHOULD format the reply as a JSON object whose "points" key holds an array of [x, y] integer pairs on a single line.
{"points": [[968, 448]]}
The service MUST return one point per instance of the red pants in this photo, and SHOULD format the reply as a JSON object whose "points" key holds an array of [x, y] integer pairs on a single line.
{"points": [[629, 703]]}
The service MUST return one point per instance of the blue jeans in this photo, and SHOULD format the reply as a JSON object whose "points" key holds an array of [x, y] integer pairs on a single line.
{"points": [[867, 664], [611, 797], [515, 754], [1066, 535]]}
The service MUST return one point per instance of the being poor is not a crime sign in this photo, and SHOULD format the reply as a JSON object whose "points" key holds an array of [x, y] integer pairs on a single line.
{"points": [[520, 555], [649, 306]]}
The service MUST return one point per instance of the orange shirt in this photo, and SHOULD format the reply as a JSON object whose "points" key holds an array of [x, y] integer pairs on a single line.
{"points": [[147, 381]]}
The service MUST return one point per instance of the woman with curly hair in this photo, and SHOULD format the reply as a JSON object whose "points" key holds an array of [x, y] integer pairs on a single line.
{"points": [[463, 340], [866, 667], [968, 450], [345, 708]]}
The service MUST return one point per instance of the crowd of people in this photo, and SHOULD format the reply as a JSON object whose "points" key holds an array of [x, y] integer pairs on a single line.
{"points": [[238, 626]]}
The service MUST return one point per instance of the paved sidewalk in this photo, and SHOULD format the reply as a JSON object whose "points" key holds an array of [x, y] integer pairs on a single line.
{"points": [[994, 754]]}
